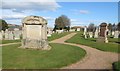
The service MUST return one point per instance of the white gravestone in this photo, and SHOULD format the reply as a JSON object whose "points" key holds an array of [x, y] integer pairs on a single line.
{"points": [[96, 33], [78, 29], [49, 32], [1, 36], [116, 34], [85, 32], [59, 31], [90, 34], [113, 33], [6, 34], [11, 35], [72, 30]]}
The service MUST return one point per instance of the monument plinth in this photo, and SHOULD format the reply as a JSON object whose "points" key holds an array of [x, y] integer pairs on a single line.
{"points": [[35, 33]]}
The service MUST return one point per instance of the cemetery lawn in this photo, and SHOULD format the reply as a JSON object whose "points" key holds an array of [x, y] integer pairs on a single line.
{"points": [[56, 35], [10, 41], [59, 56], [112, 46]]}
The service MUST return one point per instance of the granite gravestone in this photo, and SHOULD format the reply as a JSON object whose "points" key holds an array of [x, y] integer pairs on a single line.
{"points": [[35, 33], [103, 33]]}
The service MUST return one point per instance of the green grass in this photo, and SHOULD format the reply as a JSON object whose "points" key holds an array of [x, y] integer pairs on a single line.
{"points": [[60, 55], [112, 46], [116, 66], [10, 41], [56, 36]]}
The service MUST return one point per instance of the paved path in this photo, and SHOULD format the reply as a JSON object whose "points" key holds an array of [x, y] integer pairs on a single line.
{"points": [[94, 59]]}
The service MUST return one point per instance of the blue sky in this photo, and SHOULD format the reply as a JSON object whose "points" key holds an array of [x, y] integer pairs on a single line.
{"points": [[80, 13]]}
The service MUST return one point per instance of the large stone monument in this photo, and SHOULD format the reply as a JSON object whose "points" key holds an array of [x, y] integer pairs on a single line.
{"points": [[103, 33], [35, 33]]}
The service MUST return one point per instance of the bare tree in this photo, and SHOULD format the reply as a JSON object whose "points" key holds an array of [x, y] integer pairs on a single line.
{"points": [[91, 27], [62, 22]]}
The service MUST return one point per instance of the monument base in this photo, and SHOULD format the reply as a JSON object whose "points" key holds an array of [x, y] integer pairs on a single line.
{"points": [[102, 40], [35, 44]]}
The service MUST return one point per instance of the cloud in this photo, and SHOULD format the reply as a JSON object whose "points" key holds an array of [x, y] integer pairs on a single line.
{"points": [[73, 20], [75, 11], [39, 5], [84, 11], [49, 18], [16, 16]]}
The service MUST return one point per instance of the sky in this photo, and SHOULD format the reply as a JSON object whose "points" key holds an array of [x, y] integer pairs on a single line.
{"points": [[80, 13]]}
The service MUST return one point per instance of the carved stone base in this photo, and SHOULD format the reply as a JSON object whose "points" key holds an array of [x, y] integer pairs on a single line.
{"points": [[35, 44], [102, 40]]}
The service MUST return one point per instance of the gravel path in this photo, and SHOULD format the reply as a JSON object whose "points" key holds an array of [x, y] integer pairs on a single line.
{"points": [[94, 59], [9, 44]]}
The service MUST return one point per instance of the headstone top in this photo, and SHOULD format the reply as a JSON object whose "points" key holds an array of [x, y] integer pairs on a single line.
{"points": [[34, 20], [103, 24]]}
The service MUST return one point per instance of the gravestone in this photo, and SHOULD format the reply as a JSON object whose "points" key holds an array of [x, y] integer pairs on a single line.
{"points": [[96, 33], [72, 30], [1, 37], [90, 34], [116, 34], [6, 34], [11, 36], [17, 33], [103, 33], [3, 34], [109, 33], [85, 32], [59, 31], [113, 33], [78, 29], [49, 32], [35, 33]]}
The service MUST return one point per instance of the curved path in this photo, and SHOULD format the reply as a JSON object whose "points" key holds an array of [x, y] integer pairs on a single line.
{"points": [[9, 44], [94, 59]]}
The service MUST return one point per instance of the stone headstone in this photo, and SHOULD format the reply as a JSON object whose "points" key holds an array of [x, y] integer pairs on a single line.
{"points": [[1, 36], [90, 34], [78, 29], [35, 33], [11, 35], [96, 33], [49, 32], [6, 35], [85, 32], [109, 33], [103, 33], [72, 30], [113, 33], [17, 34], [116, 34], [59, 31]]}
